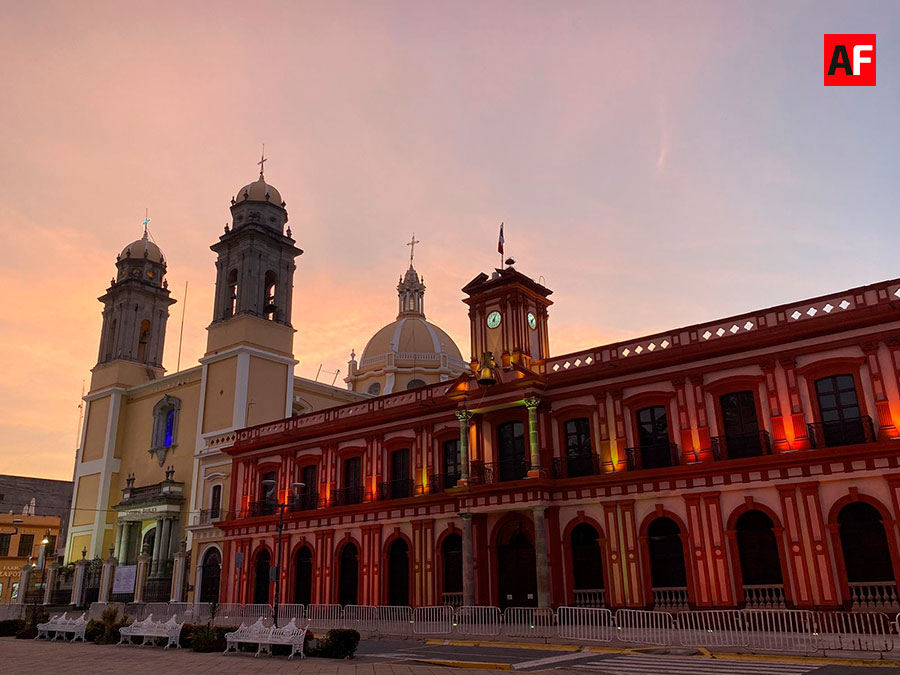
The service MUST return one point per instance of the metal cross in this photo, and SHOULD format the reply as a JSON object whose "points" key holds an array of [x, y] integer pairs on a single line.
{"points": [[412, 248], [262, 161], [146, 221]]}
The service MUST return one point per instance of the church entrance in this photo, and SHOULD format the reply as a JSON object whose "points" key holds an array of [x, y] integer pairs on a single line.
{"points": [[210, 576], [261, 579], [349, 576], [516, 569], [303, 577]]}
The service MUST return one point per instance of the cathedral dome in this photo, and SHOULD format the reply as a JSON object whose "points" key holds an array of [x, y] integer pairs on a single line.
{"points": [[409, 338], [142, 248], [258, 191]]}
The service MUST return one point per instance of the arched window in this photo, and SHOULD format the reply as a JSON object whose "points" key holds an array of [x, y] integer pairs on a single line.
{"points": [[760, 564], [143, 341], [667, 570], [349, 575], [867, 557], [374, 388], [587, 566], [516, 566], [303, 576], [210, 576], [270, 309], [232, 290], [453, 571], [165, 427], [398, 573], [415, 383], [261, 579]]}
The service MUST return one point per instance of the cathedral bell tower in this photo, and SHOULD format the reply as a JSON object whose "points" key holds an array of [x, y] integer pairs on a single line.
{"points": [[508, 317], [135, 312]]}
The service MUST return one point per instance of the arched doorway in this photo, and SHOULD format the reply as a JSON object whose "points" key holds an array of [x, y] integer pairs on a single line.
{"points": [[349, 575], [303, 576], [398, 573], [516, 573], [451, 551], [587, 566], [261, 578], [210, 576], [867, 556], [668, 576], [760, 563]]}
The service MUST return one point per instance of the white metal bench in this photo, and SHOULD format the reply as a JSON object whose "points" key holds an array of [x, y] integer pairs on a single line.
{"points": [[61, 626], [148, 629], [265, 636]]}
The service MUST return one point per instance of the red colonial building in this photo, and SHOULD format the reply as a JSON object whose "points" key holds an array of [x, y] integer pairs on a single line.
{"points": [[749, 461]]}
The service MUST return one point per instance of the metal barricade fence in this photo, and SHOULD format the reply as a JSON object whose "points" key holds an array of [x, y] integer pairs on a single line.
{"points": [[645, 627], [395, 620], [854, 631], [182, 612], [324, 617], [201, 612], [781, 630], [478, 620], [534, 622], [590, 624], [159, 610], [252, 613], [362, 618], [433, 620], [297, 612], [134, 610], [229, 614], [96, 610], [712, 628]]}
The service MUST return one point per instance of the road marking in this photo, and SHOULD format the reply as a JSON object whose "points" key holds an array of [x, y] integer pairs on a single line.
{"points": [[571, 656], [631, 664]]}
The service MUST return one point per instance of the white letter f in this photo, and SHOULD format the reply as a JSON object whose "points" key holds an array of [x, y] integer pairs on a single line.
{"points": [[858, 59]]}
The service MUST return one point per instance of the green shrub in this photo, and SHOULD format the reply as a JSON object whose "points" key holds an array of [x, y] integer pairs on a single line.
{"points": [[337, 644], [11, 627], [106, 630], [205, 638]]}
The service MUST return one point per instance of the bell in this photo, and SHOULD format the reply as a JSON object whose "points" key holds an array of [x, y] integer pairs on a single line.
{"points": [[485, 374]]}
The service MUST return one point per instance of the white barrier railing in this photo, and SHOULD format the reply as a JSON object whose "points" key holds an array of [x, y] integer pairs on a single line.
{"points": [[363, 618], [433, 620], [767, 630], [585, 623], [394, 620], [645, 627], [479, 620], [324, 617], [781, 630], [854, 631], [712, 628]]}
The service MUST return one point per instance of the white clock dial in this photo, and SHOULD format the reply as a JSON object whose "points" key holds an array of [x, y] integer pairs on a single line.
{"points": [[532, 322], [493, 319]]}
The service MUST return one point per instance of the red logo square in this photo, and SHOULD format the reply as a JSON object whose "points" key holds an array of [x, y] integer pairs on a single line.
{"points": [[849, 60]]}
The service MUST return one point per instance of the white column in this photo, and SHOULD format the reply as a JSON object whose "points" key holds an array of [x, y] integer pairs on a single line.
{"points": [[178, 570], [120, 528], [468, 560], [24, 583], [541, 558], [164, 544], [78, 582], [157, 547], [141, 574], [107, 576], [50, 575]]}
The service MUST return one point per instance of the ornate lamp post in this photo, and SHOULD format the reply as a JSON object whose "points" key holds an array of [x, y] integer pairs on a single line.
{"points": [[270, 490]]}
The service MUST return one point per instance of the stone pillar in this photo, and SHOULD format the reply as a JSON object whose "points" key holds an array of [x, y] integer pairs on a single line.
{"points": [[50, 575], [125, 550], [178, 572], [463, 416], [120, 531], [78, 582], [157, 536], [532, 404], [542, 560], [173, 536], [107, 576], [468, 560], [164, 545], [24, 583], [140, 577]]}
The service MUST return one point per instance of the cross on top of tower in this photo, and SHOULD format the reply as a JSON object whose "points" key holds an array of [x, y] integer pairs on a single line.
{"points": [[412, 248], [146, 222], [262, 161]]}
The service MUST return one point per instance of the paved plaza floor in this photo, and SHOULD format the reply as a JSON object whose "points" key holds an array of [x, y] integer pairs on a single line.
{"points": [[377, 657]]}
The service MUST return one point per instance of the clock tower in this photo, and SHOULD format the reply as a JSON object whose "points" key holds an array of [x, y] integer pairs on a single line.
{"points": [[508, 317]]}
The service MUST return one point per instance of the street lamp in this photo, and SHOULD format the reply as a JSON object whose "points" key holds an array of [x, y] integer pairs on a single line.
{"points": [[269, 484]]}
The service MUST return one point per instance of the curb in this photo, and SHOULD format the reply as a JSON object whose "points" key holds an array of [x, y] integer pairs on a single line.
{"points": [[542, 647], [477, 665]]}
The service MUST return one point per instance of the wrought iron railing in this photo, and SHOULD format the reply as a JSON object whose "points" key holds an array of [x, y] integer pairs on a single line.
{"points": [[158, 589], [209, 516], [348, 495], [257, 509], [307, 500], [485, 473], [736, 446], [652, 456], [439, 482], [395, 489], [574, 466], [850, 431]]}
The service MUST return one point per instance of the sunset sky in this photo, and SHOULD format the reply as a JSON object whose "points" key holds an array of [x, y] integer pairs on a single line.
{"points": [[658, 164]]}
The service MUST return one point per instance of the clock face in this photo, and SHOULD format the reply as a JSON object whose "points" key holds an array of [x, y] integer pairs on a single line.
{"points": [[493, 319], [532, 322]]}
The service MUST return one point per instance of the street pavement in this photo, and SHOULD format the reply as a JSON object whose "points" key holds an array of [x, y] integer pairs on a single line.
{"points": [[408, 657]]}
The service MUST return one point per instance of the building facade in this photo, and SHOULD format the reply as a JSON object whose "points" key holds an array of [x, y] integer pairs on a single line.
{"points": [[748, 461]]}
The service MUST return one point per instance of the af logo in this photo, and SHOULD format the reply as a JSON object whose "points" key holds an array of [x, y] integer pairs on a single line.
{"points": [[849, 60]]}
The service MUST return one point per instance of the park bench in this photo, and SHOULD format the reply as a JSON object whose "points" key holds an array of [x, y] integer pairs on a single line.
{"points": [[61, 626], [264, 637], [148, 629]]}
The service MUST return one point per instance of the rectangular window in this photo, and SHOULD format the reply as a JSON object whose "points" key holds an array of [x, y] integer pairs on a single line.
{"points": [[401, 485], [4, 544], [741, 430], [309, 497], [26, 544], [170, 429], [452, 463], [215, 502], [653, 436], [352, 481], [579, 455], [842, 422]]}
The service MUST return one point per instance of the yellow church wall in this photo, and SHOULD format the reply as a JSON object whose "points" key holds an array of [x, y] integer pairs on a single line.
{"points": [[267, 391], [76, 544], [95, 435], [218, 410], [86, 500], [250, 331]]}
